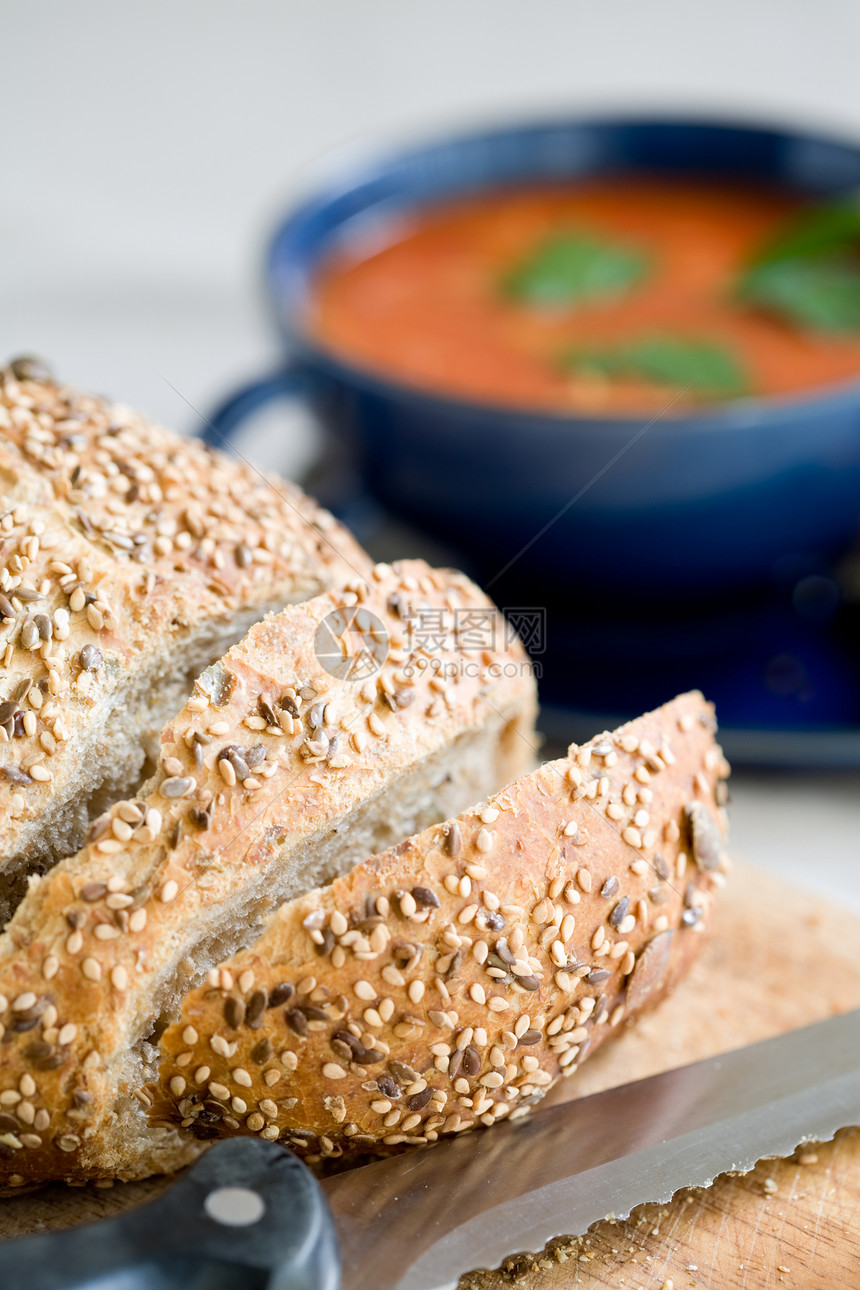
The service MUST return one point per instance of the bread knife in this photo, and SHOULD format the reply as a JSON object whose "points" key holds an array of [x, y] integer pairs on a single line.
{"points": [[249, 1214]]}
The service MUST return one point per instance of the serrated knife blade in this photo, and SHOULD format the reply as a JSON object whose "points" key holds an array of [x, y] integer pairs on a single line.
{"points": [[420, 1220], [250, 1215]]}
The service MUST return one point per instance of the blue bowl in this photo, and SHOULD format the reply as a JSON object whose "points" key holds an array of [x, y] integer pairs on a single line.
{"points": [[696, 503]]}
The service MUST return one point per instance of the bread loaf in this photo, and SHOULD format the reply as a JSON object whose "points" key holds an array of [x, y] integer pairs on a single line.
{"points": [[129, 559], [505, 946], [285, 768]]}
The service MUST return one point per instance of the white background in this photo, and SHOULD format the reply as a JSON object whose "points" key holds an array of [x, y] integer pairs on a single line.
{"points": [[147, 149]]}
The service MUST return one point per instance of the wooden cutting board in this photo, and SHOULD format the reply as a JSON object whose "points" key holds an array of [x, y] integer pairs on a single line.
{"points": [[777, 959]]}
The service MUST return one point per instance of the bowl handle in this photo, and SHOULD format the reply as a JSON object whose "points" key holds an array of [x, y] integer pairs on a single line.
{"points": [[218, 429]]}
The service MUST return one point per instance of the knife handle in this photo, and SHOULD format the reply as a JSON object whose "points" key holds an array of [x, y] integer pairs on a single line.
{"points": [[247, 1216]]}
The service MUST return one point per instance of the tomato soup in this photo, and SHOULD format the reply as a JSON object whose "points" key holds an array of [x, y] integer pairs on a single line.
{"points": [[617, 295]]}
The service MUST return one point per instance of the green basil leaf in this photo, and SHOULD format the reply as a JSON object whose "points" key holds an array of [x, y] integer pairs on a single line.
{"points": [[809, 274], [704, 367], [821, 293], [575, 268], [819, 230]]}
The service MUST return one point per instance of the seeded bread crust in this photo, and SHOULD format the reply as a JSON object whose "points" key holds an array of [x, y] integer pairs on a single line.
{"points": [[509, 943], [129, 559], [270, 754]]}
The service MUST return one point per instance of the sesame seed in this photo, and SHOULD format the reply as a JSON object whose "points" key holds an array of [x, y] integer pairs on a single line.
{"points": [[542, 912], [226, 771], [331, 1070], [168, 892], [492, 1080], [408, 905], [91, 969], [119, 977], [153, 821]]}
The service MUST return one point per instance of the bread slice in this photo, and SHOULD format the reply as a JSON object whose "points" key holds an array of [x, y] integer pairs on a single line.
{"points": [[131, 558], [291, 763], [506, 945]]}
